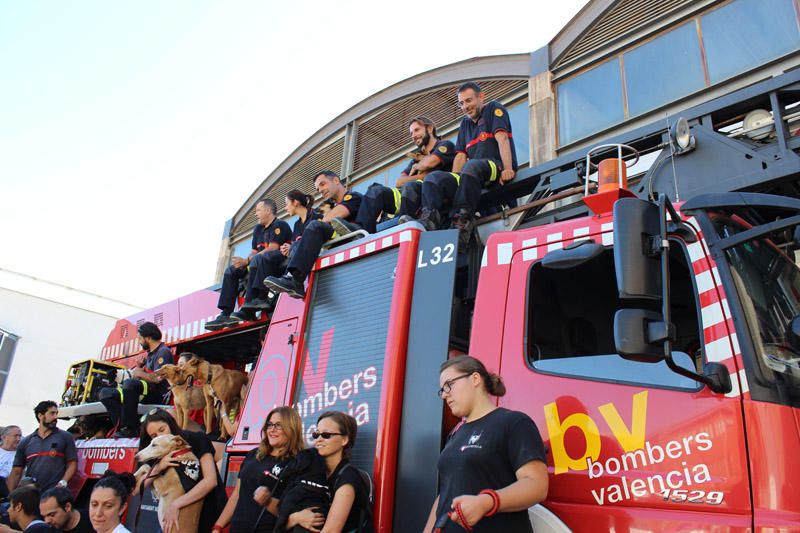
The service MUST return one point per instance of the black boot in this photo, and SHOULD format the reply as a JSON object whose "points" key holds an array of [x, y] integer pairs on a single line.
{"points": [[430, 219], [464, 221]]}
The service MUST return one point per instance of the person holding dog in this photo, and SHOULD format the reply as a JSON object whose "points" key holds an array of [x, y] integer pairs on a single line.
{"points": [[143, 386], [209, 486], [493, 467], [350, 509], [281, 440]]}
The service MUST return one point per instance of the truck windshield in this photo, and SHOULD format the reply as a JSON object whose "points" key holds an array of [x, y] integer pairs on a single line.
{"points": [[767, 279]]}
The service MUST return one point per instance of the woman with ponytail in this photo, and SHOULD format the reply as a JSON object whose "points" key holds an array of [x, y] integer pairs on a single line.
{"points": [[109, 501], [493, 466], [299, 204]]}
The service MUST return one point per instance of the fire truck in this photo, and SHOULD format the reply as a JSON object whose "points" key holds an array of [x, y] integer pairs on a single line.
{"points": [[645, 316]]}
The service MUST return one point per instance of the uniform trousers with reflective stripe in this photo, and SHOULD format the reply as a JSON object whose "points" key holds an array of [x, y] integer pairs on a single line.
{"points": [[397, 201], [438, 191], [476, 174], [122, 403], [272, 263], [306, 250]]}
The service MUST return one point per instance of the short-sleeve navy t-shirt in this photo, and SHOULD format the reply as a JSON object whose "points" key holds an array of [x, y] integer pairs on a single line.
{"points": [[485, 454], [300, 226], [255, 473], [477, 139], [346, 475], [352, 201], [45, 459], [278, 232], [445, 151], [159, 357]]}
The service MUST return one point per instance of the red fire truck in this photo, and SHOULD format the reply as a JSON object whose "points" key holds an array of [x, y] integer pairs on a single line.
{"points": [[650, 328]]}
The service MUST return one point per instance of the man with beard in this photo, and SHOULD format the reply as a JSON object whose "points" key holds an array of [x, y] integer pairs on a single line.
{"points": [[144, 386], [432, 153], [57, 507], [48, 454], [331, 187]]}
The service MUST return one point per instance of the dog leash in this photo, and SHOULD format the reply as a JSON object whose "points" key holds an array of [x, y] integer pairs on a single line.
{"points": [[151, 476]]}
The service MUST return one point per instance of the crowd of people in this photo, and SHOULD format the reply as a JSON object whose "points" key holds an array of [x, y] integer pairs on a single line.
{"points": [[439, 188], [491, 470]]}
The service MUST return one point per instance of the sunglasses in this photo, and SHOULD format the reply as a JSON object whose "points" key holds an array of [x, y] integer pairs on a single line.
{"points": [[325, 435]]}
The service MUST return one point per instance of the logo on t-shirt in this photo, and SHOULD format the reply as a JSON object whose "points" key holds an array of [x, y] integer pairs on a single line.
{"points": [[473, 442], [277, 231], [347, 197], [498, 112], [276, 470], [192, 469], [443, 149]]}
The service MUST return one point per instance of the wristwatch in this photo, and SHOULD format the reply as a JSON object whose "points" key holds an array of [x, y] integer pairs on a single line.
{"points": [[62, 483]]}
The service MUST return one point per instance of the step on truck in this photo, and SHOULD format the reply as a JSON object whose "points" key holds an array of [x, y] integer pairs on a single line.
{"points": [[646, 317]]}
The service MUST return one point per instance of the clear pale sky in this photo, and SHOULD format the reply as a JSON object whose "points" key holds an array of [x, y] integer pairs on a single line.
{"points": [[130, 132]]}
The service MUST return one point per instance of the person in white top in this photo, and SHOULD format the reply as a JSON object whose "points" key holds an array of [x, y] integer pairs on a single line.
{"points": [[10, 436], [109, 500]]}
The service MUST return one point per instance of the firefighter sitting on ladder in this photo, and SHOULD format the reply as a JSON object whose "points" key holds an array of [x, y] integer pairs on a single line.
{"points": [[122, 403], [485, 156], [331, 187], [403, 200]]}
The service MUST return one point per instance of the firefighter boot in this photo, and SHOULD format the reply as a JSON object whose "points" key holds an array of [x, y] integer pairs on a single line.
{"points": [[286, 283], [430, 219], [464, 220]]}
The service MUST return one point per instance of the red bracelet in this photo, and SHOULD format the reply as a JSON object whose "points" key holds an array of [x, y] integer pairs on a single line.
{"points": [[495, 501], [461, 517]]}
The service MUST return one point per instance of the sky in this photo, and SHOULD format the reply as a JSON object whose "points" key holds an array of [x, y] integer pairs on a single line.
{"points": [[130, 132]]}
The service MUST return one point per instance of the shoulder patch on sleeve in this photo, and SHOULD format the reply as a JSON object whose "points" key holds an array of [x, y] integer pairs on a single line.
{"points": [[160, 360], [443, 149], [498, 112], [347, 197], [277, 231]]}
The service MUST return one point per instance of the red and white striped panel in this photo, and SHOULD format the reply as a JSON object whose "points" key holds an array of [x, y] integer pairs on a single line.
{"points": [[719, 334], [171, 335], [362, 249]]}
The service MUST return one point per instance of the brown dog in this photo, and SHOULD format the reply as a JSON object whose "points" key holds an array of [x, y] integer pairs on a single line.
{"points": [[169, 484], [218, 384], [185, 396]]}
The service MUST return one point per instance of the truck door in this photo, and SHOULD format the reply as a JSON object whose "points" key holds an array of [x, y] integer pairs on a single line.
{"points": [[631, 446]]}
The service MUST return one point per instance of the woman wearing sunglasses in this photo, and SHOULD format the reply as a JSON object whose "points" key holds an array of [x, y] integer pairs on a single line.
{"points": [[251, 507], [349, 511], [493, 465]]}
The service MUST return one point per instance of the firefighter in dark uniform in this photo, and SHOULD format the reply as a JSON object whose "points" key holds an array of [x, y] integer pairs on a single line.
{"points": [[268, 236], [485, 157], [403, 200], [331, 187], [144, 386]]}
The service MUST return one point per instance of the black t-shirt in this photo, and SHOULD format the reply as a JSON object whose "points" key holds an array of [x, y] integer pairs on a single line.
{"points": [[445, 151], [84, 526], [476, 139], [300, 226], [352, 201], [278, 232], [214, 501], [254, 474], [485, 454], [159, 357], [344, 475]]}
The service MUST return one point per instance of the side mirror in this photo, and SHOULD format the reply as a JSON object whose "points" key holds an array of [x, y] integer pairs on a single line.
{"points": [[639, 335], [637, 224], [572, 255]]}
